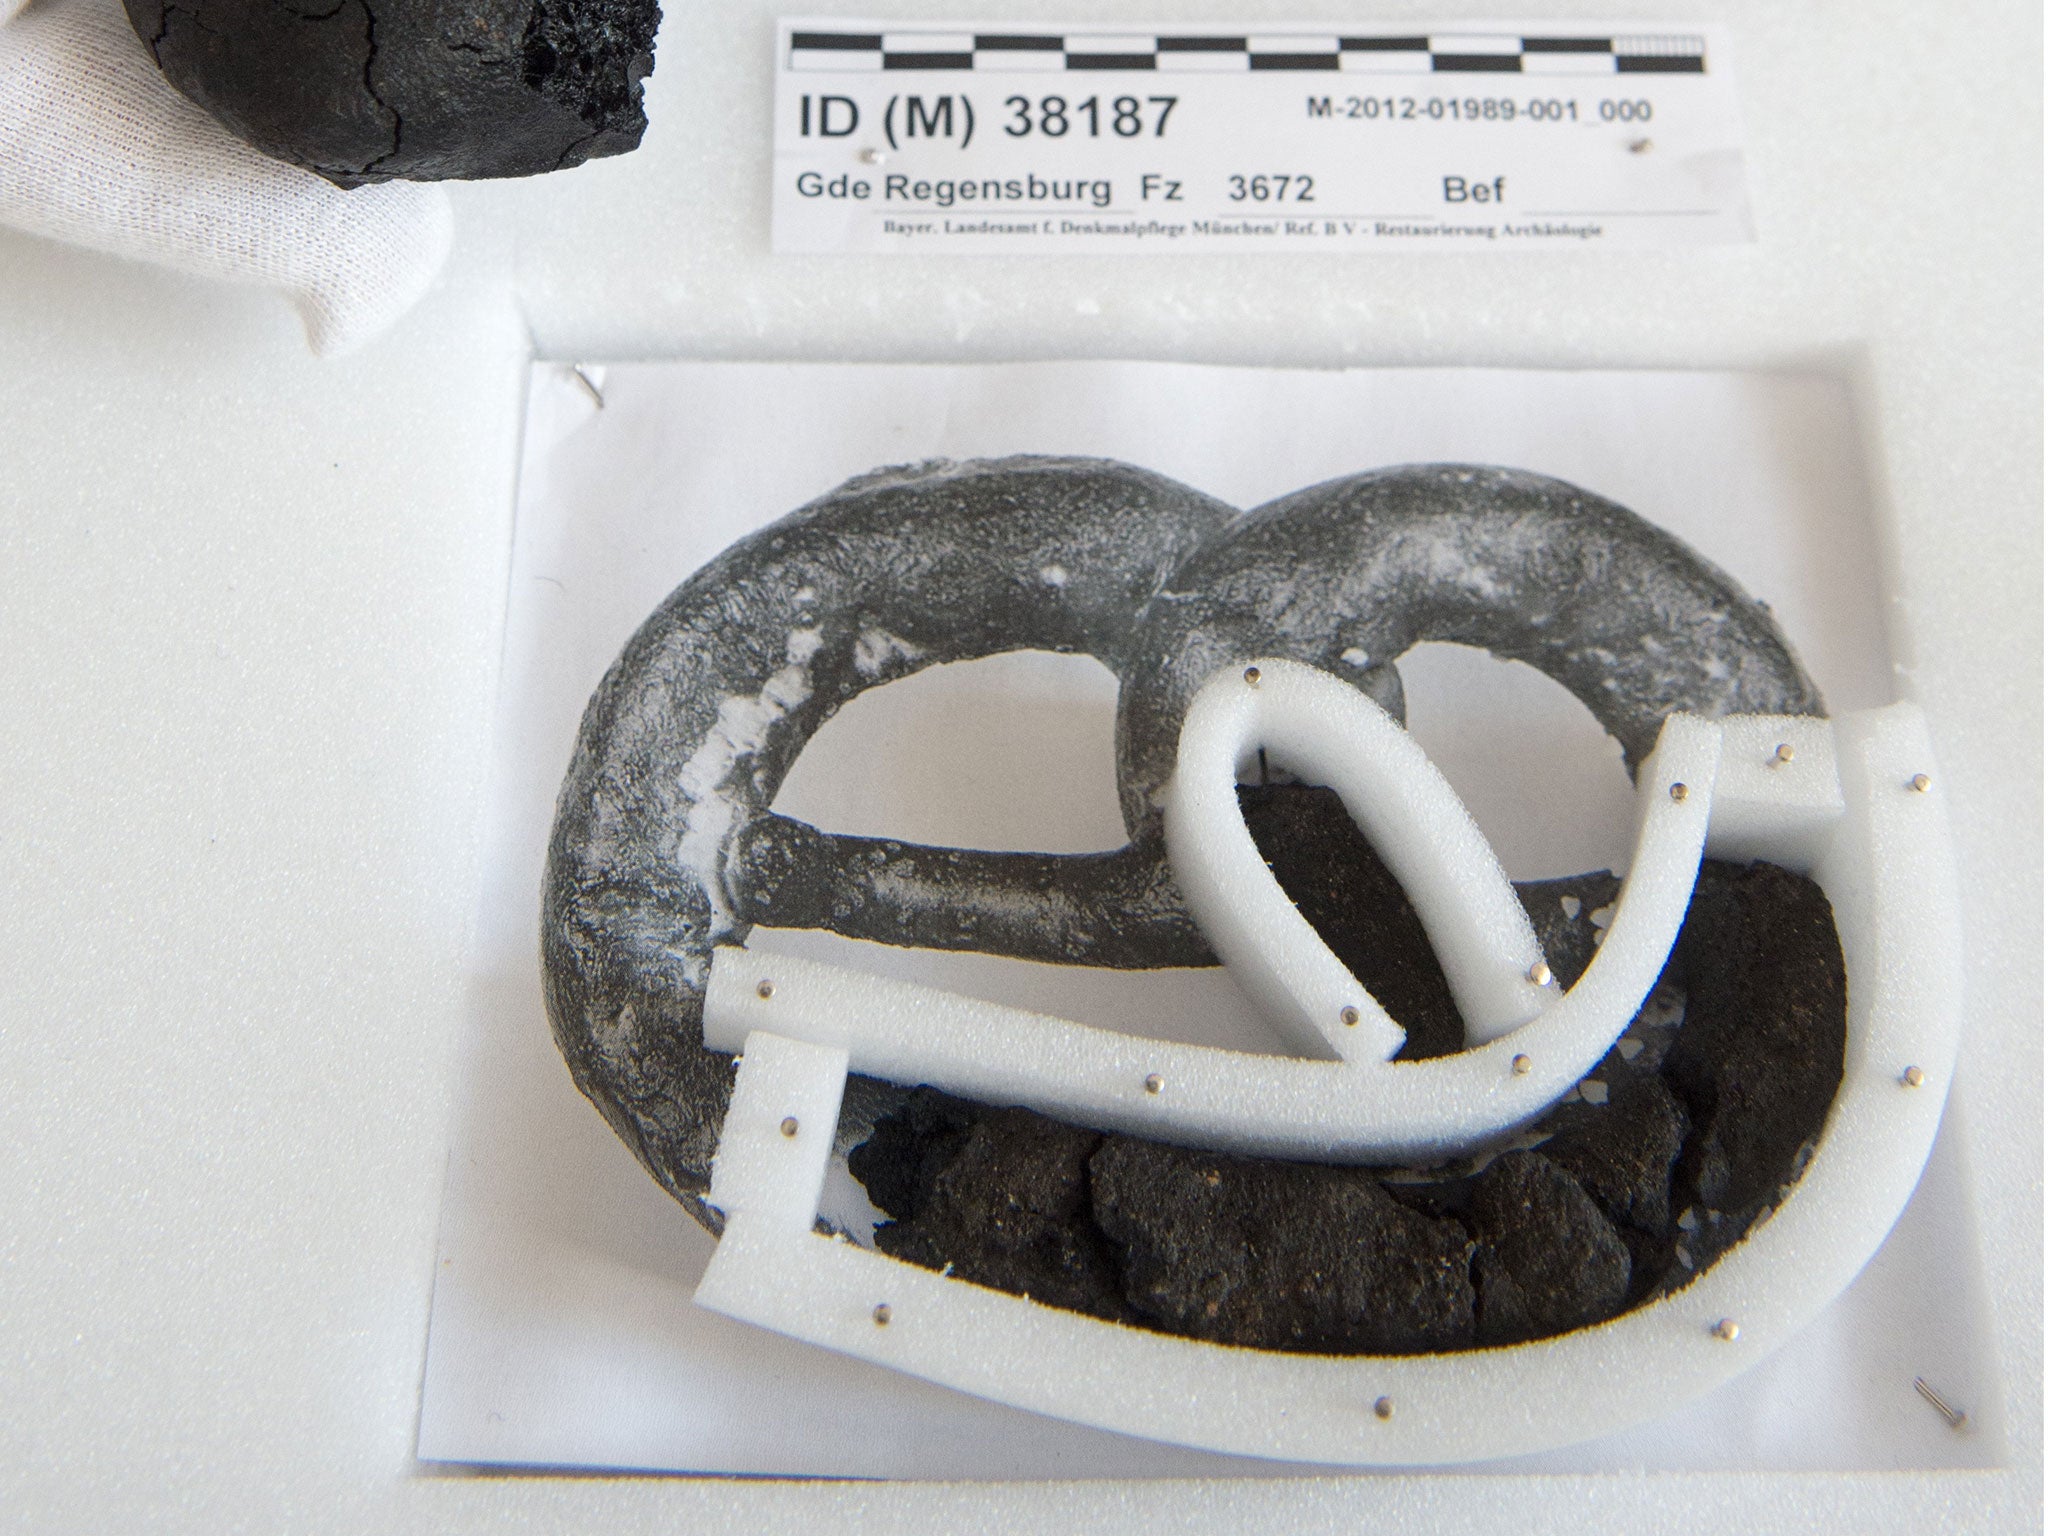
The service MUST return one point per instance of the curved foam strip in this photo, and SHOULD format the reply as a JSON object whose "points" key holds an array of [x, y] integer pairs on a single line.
{"points": [[1887, 870], [1330, 733], [1339, 1111], [1674, 797]]}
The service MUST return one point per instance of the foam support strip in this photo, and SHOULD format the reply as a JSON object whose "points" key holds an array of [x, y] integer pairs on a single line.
{"points": [[1887, 870], [1326, 732], [1360, 1109]]}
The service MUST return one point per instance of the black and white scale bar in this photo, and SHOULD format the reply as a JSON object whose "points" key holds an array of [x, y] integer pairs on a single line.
{"points": [[1411, 54]]}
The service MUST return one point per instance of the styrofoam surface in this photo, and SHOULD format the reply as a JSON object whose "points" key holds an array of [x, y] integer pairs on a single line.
{"points": [[1340, 1106], [250, 622], [773, 1168], [1327, 1107], [1328, 732], [1888, 872]]}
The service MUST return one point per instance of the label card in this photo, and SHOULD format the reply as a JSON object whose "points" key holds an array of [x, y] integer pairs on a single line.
{"points": [[1091, 138]]}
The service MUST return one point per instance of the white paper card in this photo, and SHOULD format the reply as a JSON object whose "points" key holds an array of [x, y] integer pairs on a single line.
{"points": [[563, 1333], [1080, 138]]}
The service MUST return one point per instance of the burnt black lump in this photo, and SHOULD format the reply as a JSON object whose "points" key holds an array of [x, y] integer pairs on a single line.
{"points": [[1547, 1260], [365, 91], [1279, 1256], [1760, 1055], [909, 1148], [1003, 1200], [1621, 1153], [1682, 1138]]}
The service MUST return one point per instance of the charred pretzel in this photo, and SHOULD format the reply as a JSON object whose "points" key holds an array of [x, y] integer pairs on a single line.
{"points": [[664, 845]]}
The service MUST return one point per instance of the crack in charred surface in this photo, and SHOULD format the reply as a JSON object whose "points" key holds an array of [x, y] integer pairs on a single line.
{"points": [[564, 160], [389, 96], [370, 87]]}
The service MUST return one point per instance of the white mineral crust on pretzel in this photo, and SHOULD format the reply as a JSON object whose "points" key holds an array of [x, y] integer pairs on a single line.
{"points": [[710, 781], [664, 841]]}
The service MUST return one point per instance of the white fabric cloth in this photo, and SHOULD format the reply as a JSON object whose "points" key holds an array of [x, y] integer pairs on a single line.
{"points": [[98, 149]]}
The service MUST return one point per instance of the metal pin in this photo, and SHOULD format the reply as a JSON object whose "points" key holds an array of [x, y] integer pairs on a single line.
{"points": [[1727, 1330], [1639, 146], [1920, 783], [1678, 791], [882, 1314], [1956, 1417], [1383, 1409], [585, 380], [872, 156], [1349, 1015], [1521, 1064], [789, 1125], [1540, 974], [1912, 1077], [1251, 675], [766, 989], [1154, 1082], [1783, 754]]}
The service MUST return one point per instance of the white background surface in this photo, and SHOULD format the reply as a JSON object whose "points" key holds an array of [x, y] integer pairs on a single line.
{"points": [[562, 1329], [250, 621]]}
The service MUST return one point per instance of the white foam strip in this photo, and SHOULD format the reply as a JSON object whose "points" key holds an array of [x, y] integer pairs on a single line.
{"points": [[1890, 878], [1327, 732], [1779, 794], [1651, 907], [1342, 1111], [777, 1139]]}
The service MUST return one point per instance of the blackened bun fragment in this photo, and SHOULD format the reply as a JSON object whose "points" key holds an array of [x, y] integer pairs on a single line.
{"points": [[419, 90]]}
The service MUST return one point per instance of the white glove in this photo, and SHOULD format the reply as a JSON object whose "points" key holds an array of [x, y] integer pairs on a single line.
{"points": [[98, 149]]}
